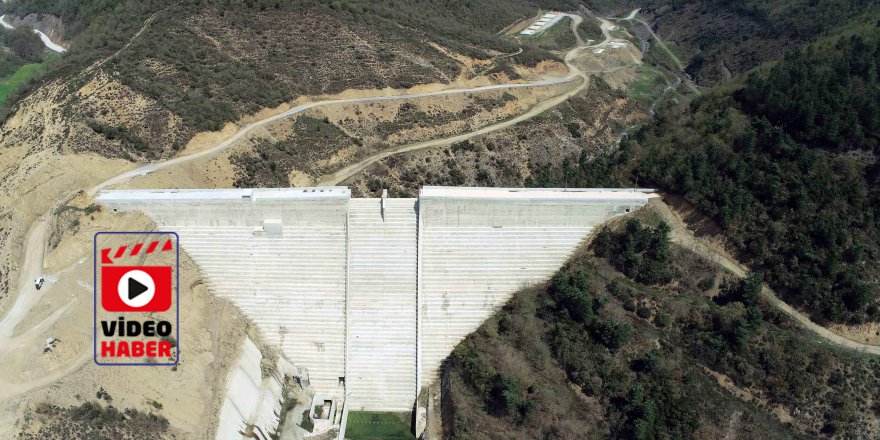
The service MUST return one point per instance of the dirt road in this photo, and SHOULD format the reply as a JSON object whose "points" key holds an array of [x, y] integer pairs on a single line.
{"points": [[661, 44], [682, 236], [356, 168], [31, 268], [28, 296], [147, 169]]}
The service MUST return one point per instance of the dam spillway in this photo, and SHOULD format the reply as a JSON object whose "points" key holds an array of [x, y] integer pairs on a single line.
{"points": [[371, 294]]}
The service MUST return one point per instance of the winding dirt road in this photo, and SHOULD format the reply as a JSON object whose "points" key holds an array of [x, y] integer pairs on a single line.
{"points": [[51, 45], [244, 131], [36, 239], [31, 268], [687, 239], [27, 296], [682, 236], [354, 169]]}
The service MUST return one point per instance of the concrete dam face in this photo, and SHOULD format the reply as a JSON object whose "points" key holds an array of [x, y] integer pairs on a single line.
{"points": [[371, 294]]}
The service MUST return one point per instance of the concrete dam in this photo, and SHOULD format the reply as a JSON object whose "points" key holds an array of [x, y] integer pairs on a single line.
{"points": [[369, 295]]}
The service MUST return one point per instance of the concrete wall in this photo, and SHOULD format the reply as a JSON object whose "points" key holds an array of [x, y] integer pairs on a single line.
{"points": [[479, 246], [251, 400], [378, 291], [292, 286]]}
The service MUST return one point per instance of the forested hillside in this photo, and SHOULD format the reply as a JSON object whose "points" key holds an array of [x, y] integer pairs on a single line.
{"points": [[597, 354], [719, 39], [785, 165], [828, 100], [769, 163]]}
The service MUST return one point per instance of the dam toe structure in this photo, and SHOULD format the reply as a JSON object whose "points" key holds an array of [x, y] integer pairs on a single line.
{"points": [[370, 295]]}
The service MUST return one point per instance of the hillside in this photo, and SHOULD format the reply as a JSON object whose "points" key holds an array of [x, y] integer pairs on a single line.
{"points": [[144, 78], [786, 168], [720, 39], [673, 347]]}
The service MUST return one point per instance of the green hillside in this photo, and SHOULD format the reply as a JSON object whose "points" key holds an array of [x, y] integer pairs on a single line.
{"points": [[639, 338], [596, 354], [785, 164], [17, 79]]}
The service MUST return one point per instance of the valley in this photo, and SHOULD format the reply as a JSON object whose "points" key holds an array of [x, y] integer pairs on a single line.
{"points": [[408, 102], [26, 305]]}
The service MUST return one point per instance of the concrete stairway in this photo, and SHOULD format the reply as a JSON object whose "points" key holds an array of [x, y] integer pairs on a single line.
{"points": [[382, 303]]}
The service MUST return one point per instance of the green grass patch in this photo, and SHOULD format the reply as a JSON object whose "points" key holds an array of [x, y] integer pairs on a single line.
{"points": [[649, 86], [865, 27], [20, 77], [306, 422], [368, 425], [620, 32]]}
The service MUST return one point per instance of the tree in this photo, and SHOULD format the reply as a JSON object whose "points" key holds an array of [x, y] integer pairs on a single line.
{"points": [[641, 253], [611, 334], [24, 43]]}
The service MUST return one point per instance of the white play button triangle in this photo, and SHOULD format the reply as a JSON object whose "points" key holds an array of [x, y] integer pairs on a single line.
{"points": [[136, 288]]}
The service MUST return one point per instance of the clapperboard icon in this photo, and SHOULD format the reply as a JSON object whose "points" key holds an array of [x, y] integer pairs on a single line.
{"points": [[136, 298]]}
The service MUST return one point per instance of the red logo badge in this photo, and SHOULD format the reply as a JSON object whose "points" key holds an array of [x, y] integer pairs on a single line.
{"points": [[136, 288], [137, 314]]}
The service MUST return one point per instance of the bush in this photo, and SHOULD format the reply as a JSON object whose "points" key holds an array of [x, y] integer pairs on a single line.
{"points": [[506, 398]]}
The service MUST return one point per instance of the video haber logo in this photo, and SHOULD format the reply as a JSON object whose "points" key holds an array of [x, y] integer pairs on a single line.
{"points": [[137, 288]]}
